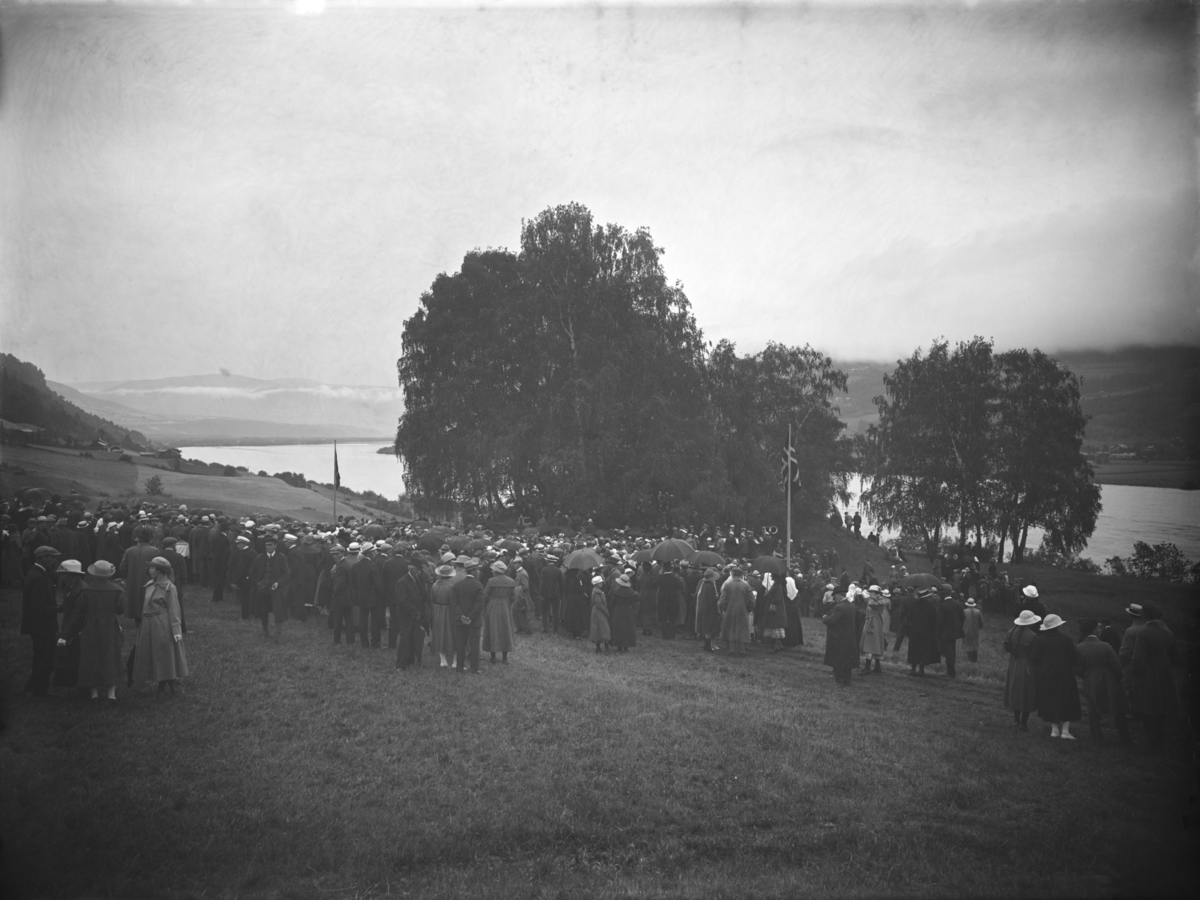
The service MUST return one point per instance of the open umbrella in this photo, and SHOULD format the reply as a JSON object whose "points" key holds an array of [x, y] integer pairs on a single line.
{"points": [[530, 532], [583, 558], [34, 495], [706, 558], [772, 564], [431, 541], [920, 580], [476, 546], [507, 544], [672, 548], [458, 543], [642, 555]]}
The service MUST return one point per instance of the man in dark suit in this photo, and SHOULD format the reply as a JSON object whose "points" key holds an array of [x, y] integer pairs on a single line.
{"points": [[949, 627], [922, 632], [551, 584], [408, 610], [466, 611], [39, 618], [219, 546], [368, 596], [241, 559], [392, 568], [841, 650], [269, 576]]}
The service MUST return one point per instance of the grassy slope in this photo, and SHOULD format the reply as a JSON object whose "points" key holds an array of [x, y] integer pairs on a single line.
{"points": [[63, 471], [308, 770]]}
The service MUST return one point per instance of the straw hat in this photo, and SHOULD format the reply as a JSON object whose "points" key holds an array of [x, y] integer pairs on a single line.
{"points": [[1052, 621], [1027, 617], [1135, 609], [623, 580], [444, 571], [70, 567], [1030, 591]]}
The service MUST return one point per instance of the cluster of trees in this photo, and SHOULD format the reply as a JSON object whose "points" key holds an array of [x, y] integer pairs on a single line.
{"points": [[990, 444], [571, 377], [1164, 562]]}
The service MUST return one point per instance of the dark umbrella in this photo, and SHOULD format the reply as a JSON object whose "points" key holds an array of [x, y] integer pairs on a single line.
{"points": [[34, 494], [477, 545], [583, 558], [706, 558], [772, 564], [530, 532], [920, 580], [459, 543], [431, 541], [672, 548], [642, 555], [507, 544]]}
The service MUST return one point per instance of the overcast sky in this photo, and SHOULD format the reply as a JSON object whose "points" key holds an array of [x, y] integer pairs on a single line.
{"points": [[188, 188]]}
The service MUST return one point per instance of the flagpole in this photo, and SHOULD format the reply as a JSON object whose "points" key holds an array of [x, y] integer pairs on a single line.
{"points": [[788, 491], [335, 486]]}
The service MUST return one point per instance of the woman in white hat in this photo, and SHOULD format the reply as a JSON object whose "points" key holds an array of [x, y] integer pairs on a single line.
{"points": [[66, 658], [1054, 659], [498, 628], [95, 626], [1020, 688], [442, 621], [599, 632], [159, 655], [972, 625]]}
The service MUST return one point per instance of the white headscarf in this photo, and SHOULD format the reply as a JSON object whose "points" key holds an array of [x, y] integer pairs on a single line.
{"points": [[791, 588], [767, 581]]}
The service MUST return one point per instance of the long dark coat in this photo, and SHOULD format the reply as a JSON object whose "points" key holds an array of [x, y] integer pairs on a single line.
{"points": [[1097, 664], [95, 623], [922, 633], [1020, 687], [266, 571], [577, 609], [841, 649], [708, 617], [1154, 655], [39, 610], [1054, 673], [621, 602]]}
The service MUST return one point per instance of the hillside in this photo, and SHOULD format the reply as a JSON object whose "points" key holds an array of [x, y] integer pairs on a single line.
{"points": [[27, 400], [227, 408], [1137, 396]]}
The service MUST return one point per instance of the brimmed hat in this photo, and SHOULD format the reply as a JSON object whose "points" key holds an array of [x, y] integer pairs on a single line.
{"points": [[970, 602], [874, 588], [1052, 621], [597, 579], [1030, 591], [473, 563], [1027, 617], [70, 567], [710, 574], [444, 571], [1135, 609], [355, 546], [102, 568], [623, 580], [241, 539]]}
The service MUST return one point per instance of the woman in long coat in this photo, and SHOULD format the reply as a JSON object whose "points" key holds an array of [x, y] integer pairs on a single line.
{"points": [[600, 632], [647, 587], [794, 598], [1054, 672], [96, 625], [621, 601], [160, 654], [922, 633], [66, 658], [1155, 695], [735, 603], [576, 608], [442, 626], [522, 607], [841, 650], [708, 617], [873, 641], [1020, 689], [497, 612]]}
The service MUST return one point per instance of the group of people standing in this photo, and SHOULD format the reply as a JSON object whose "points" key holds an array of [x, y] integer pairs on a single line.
{"points": [[1122, 675]]}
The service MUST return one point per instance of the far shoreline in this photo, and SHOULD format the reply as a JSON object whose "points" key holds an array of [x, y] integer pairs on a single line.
{"points": [[1176, 474]]}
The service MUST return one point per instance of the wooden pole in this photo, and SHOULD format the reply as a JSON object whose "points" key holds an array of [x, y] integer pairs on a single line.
{"points": [[788, 490]]}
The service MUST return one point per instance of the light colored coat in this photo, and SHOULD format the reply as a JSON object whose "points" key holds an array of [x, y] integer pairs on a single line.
{"points": [[159, 656]]}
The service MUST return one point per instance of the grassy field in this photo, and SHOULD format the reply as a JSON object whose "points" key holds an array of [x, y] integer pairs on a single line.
{"points": [[1150, 473], [101, 478], [307, 770]]}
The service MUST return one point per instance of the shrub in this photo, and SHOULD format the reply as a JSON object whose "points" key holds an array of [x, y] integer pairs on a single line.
{"points": [[125, 457], [1160, 562], [154, 486], [229, 472]]}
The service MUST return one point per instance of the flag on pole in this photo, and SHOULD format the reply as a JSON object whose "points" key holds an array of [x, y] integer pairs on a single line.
{"points": [[790, 468], [337, 476]]}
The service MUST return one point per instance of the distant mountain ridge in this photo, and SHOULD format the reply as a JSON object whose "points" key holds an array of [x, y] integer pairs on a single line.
{"points": [[227, 408]]}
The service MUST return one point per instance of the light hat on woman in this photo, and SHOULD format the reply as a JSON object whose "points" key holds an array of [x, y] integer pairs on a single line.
{"points": [[970, 604], [598, 579], [1030, 591], [499, 568], [1027, 617], [623, 580], [444, 571], [102, 568], [1052, 621], [70, 567]]}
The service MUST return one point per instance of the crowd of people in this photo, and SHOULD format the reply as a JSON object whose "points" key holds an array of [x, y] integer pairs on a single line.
{"points": [[460, 595]]}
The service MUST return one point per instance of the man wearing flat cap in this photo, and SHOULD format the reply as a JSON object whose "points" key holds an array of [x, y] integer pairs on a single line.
{"points": [[269, 575], [39, 618]]}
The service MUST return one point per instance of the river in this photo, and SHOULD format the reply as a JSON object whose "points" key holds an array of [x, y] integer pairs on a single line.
{"points": [[1130, 513]]}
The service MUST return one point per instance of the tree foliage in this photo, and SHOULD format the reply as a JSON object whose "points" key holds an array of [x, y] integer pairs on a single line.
{"points": [[989, 444], [572, 378]]}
